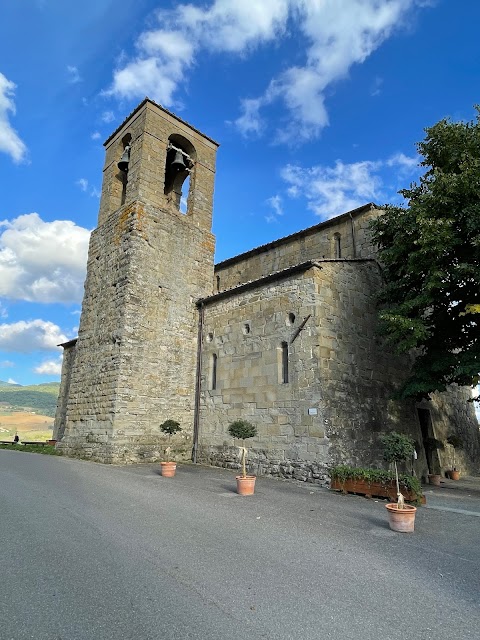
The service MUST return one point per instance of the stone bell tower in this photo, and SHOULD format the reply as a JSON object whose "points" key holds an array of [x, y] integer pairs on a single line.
{"points": [[134, 362]]}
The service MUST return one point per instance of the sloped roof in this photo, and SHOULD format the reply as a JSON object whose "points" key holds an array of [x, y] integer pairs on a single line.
{"points": [[278, 275], [298, 234], [170, 113]]}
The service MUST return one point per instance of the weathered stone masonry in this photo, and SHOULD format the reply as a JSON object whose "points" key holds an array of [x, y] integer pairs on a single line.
{"points": [[148, 263], [287, 331]]}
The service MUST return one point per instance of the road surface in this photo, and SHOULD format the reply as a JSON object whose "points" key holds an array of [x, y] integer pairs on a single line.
{"points": [[93, 552]]}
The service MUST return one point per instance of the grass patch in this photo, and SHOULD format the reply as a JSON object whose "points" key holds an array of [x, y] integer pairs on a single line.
{"points": [[32, 448]]}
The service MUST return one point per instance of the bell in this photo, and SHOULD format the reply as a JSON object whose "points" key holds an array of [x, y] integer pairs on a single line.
{"points": [[125, 159], [178, 162]]}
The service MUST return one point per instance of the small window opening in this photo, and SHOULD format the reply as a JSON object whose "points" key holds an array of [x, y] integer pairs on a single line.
{"points": [[213, 373], [184, 195], [246, 329], [209, 336], [337, 245], [218, 283], [284, 373], [290, 319]]}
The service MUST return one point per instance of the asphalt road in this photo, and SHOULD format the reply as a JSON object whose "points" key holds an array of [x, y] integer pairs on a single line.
{"points": [[92, 552]]}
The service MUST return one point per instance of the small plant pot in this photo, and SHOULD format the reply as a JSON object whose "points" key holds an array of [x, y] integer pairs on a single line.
{"points": [[454, 474], [52, 442], [245, 486], [401, 520], [168, 469], [434, 479]]}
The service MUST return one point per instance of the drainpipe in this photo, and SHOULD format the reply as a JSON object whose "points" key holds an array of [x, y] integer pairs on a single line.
{"points": [[198, 382], [353, 237]]}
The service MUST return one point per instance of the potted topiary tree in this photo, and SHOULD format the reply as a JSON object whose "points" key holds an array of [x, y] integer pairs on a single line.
{"points": [[170, 427], [242, 430], [456, 442], [399, 448]]}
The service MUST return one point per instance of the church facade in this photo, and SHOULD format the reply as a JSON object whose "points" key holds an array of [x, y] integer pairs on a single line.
{"points": [[283, 336]]}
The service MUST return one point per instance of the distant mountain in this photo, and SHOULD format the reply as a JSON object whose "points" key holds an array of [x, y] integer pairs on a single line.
{"points": [[41, 398]]}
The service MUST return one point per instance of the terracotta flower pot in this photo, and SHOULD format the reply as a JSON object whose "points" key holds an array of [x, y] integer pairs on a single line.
{"points": [[52, 442], [168, 469], [401, 520], [245, 486], [454, 474], [434, 479]]}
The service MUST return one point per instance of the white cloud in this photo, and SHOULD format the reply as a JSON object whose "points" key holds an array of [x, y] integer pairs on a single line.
{"points": [[42, 261], [32, 335], [275, 202], [6, 364], [250, 122], [404, 162], [108, 116], [333, 190], [376, 89], [330, 191], [96, 135], [73, 75], [10, 142], [330, 37], [337, 34], [11, 381], [165, 54], [93, 191], [50, 367]]}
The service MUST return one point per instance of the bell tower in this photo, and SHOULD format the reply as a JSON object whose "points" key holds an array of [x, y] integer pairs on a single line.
{"points": [[150, 259]]}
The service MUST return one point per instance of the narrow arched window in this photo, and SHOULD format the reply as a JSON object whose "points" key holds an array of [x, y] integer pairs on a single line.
{"points": [[213, 372], [218, 283], [284, 373], [337, 244]]}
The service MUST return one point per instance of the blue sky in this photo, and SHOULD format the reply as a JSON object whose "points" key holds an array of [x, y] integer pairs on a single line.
{"points": [[317, 105]]}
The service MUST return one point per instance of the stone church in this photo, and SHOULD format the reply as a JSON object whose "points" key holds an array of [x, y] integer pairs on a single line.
{"points": [[283, 335]]}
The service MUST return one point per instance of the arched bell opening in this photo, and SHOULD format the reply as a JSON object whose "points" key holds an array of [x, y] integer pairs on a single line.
{"points": [[180, 163], [123, 165]]}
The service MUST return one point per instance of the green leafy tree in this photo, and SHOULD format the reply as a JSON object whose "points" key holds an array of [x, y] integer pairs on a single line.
{"points": [[430, 252], [397, 448], [242, 430], [170, 427]]}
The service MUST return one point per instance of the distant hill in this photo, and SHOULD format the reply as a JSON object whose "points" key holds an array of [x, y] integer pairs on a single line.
{"points": [[41, 398]]}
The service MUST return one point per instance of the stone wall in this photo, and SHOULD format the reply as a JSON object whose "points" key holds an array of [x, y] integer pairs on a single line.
{"points": [[137, 343], [452, 413], [316, 243], [69, 353], [338, 400], [148, 264]]}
